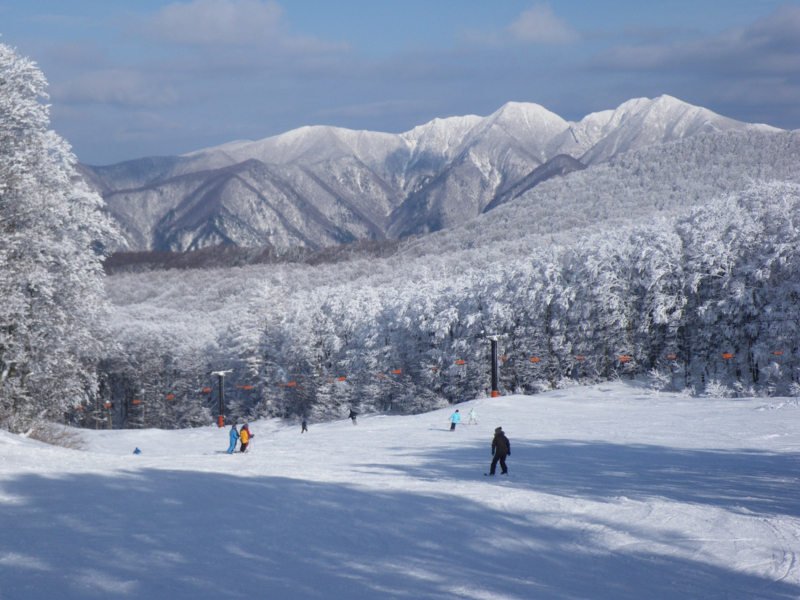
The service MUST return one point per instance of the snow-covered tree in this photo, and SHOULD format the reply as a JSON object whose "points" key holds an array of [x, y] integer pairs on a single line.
{"points": [[53, 318]]}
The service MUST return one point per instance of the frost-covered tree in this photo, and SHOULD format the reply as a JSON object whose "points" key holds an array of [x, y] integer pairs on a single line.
{"points": [[53, 318]]}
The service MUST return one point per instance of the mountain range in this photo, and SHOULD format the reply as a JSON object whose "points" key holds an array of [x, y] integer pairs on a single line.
{"points": [[321, 186]]}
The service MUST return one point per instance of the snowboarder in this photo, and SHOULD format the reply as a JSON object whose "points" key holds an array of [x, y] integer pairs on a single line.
{"points": [[473, 416], [304, 426], [353, 415], [245, 435], [137, 451], [234, 438], [454, 419], [501, 448]]}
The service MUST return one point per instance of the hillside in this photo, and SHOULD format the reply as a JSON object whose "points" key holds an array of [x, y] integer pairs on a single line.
{"points": [[657, 182], [321, 186]]}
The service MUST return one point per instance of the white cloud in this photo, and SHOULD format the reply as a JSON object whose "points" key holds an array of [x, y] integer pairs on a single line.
{"points": [[539, 25], [771, 45], [115, 86], [201, 22]]}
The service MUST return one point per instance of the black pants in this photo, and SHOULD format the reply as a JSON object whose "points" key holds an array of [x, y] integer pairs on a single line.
{"points": [[452, 426], [502, 459], [244, 447]]}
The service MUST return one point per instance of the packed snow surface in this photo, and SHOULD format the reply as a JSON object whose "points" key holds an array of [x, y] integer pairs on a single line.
{"points": [[613, 494]]}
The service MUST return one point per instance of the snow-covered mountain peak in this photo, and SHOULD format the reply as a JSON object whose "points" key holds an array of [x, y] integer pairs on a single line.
{"points": [[440, 136], [642, 122], [526, 125], [528, 118]]}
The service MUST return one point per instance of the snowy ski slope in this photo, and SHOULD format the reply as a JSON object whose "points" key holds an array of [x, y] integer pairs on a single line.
{"points": [[613, 494]]}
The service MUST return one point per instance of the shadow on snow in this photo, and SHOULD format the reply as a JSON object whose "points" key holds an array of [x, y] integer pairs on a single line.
{"points": [[185, 534], [749, 480]]}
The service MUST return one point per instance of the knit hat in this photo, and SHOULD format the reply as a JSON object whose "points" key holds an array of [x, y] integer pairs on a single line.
{"points": [[498, 429]]}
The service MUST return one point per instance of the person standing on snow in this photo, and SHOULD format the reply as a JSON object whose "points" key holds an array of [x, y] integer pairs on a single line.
{"points": [[234, 438], [353, 415], [501, 448], [454, 419], [304, 426], [473, 416], [245, 436]]}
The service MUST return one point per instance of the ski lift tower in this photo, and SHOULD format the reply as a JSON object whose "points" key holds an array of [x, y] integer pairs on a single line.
{"points": [[495, 371], [221, 375]]}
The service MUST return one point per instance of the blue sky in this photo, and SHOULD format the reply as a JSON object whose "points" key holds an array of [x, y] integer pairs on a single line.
{"points": [[131, 79]]}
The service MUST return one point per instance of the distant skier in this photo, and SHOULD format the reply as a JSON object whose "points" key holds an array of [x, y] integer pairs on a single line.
{"points": [[244, 436], [454, 419], [473, 416], [501, 448], [234, 438], [137, 451], [304, 427], [353, 415]]}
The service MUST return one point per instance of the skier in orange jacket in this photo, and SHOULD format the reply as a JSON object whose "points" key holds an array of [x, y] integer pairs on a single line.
{"points": [[244, 436]]}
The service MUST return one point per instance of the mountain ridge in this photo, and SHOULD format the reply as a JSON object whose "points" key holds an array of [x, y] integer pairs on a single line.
{"points": [[318, 186]]}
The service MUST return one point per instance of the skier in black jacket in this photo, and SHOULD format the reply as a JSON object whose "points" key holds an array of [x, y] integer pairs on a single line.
{"points": [[501, 448]]}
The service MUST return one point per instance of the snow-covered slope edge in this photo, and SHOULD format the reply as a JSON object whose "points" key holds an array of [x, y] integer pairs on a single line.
{"points": [[399, 506]]}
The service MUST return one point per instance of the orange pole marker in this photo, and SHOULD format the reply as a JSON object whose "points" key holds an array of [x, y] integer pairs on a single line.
{"points": [[535, 359], [461, 362]]}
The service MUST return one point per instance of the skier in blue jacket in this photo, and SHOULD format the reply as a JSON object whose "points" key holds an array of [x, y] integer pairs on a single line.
{"points": [[234, 439], [454, 419]]}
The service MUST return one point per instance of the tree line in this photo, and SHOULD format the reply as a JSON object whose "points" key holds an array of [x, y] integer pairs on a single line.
{"points": [[708, 299]]}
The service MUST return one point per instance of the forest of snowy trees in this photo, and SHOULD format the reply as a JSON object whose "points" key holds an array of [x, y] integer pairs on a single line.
{"points": [[670, 300], [677, 263]]}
